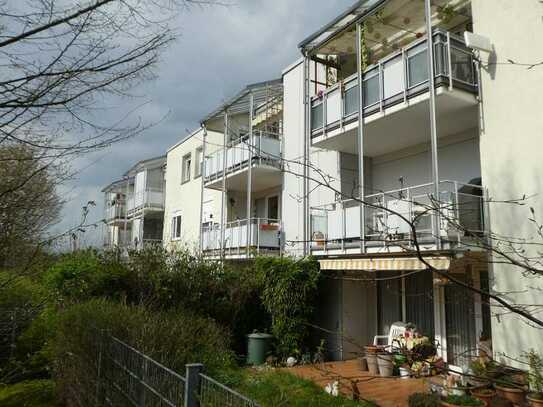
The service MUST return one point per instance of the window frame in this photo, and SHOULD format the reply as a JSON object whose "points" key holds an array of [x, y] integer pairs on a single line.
{"points": [[176, 227], [186, 172], [199, 162]]}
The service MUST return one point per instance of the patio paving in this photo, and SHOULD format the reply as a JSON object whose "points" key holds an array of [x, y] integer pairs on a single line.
{"points": [[385, 392]]}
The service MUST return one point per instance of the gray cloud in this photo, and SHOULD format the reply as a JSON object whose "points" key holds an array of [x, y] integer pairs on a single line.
{"points": [[219, 51]]}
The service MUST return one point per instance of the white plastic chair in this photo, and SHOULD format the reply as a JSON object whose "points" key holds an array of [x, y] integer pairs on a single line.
{"points": [[396, 329]]}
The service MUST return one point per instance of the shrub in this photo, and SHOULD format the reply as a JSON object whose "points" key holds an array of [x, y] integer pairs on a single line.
{"points": [[288, 293], [172, 338], [36, 393], [82, 275], [424, 400]]}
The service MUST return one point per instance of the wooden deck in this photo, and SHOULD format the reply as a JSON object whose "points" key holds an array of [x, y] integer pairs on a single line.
{"points": [[385, 392]]}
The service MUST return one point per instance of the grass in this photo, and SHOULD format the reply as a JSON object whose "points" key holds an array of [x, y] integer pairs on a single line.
{"points": [[35, 393], [275, 388]]}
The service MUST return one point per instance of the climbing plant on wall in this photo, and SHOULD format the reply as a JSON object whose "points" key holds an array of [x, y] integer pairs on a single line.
{"points": [[288, 294]]}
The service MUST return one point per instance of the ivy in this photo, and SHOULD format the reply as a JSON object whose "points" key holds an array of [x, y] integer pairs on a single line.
{"points": [[289, 289]]}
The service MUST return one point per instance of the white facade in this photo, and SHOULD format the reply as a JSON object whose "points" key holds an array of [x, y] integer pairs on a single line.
{"points": [[184, 196], [511, 141]]}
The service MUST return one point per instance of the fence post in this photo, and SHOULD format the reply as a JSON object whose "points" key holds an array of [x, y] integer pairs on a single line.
{"points": [[102, 339], [192, 384]]}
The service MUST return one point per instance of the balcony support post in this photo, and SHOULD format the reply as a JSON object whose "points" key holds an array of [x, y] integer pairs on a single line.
{"points": [[433, 121], [305, 161], [250, 174], [127, 241], [361, 193], [223, 194], [202, 178]]}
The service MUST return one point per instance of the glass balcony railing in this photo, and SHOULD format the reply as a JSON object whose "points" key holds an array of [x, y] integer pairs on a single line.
{"points": [[391, 216], [148, 198], [395, 79], [265, 235], [265, 149]]}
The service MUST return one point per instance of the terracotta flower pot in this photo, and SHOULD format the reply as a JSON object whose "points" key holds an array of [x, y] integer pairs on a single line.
{"points": [[534, 402], [486, 396], [513, 394]]}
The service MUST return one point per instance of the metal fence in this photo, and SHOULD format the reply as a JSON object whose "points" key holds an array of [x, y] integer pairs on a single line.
{"points": [[127, 377]]}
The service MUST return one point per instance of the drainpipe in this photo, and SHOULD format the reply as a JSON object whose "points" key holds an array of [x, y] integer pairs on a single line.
{"points": [[361, 193], [250, 174], [433, 121]]}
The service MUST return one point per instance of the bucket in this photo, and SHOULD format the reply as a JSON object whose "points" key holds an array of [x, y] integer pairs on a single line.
{"points": [[386, 367], [371, 360], [363, 364]]}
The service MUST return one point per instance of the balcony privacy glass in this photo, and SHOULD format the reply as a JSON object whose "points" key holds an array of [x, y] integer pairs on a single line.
{"points": [[393, 77], [371, 91], [417, 66], [462, 67], [317, 116], [351, 100]]}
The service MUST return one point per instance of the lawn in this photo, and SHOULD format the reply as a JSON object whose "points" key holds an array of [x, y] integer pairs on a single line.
{"points": [[274, 388]]}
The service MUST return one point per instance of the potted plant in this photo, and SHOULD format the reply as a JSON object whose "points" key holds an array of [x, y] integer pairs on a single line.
{"points": [[423, 400], [385, 363], [371, 359], [535, 379], [512, 387], [465, 400], [485, 394]]}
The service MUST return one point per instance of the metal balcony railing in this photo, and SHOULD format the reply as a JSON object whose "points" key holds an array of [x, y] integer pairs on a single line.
{"points": [[265, 235], [389, 217], [395, 79], [265, 150]]}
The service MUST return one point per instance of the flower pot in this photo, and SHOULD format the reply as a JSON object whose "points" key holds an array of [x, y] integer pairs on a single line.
{"points": [[534, 402], [513, 394], [405, 373], [386, 367], [363, 364], [371, 360], [486, 396]]}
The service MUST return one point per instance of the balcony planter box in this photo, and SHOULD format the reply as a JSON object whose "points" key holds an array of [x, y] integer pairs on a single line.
{"points": [[269, 226]]}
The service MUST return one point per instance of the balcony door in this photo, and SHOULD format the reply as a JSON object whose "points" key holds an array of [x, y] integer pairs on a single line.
{"points": [[267, 208]]}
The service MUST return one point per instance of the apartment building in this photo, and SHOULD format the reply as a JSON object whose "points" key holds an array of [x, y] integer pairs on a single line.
{"points": [[418, 162], [404, 165], [134, 206]]}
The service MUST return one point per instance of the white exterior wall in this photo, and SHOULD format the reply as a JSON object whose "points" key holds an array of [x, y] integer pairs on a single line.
{"points": [[511, 145], [185, 198], [459, 160]]}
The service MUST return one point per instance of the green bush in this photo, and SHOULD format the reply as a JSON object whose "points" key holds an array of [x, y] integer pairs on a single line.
{"points": [[86, 274], [36, 393], [288, 293], [20, 292], [173, 338]]}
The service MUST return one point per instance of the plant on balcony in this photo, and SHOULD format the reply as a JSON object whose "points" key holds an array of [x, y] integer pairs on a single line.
{"points": [[423, 400], [464, 400]]}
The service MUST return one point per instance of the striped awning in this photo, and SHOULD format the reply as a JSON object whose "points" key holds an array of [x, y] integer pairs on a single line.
{"points": [[379, 264]]}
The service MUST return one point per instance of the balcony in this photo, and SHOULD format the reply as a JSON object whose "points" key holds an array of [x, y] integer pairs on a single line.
{"points": [[266, 163], [335, 228], [115, 214], [397, 87], [265, 238], [151, 198]]}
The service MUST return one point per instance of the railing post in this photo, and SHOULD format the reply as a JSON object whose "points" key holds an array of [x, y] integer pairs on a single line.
{"points": [[99, 368], [457, 211], [192, 384], [143, 376]]}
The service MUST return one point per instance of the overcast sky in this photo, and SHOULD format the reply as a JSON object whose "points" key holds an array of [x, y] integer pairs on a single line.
{"points": [[219, 51]]}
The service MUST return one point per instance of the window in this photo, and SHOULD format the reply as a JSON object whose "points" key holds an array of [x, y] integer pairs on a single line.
{"points": [[176, 227], [187, 166], [199, 167]]}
